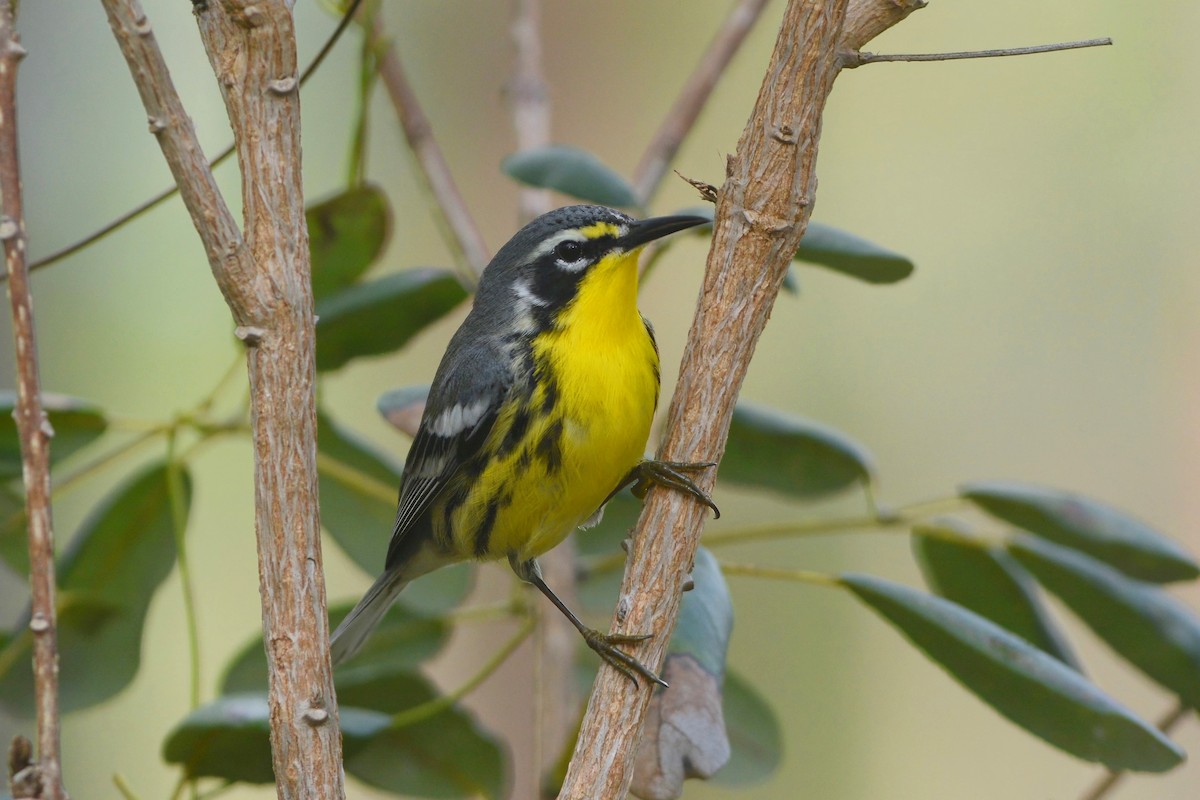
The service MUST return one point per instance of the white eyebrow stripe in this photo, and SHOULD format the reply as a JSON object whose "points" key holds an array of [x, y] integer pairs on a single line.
{"points": [[458, 418], [548, 245]]}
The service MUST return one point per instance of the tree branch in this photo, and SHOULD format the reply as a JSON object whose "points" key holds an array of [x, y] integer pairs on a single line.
{"points": [[266, 282], [32, 426], [419, 134], [529, 99], [252, 48], [761, 214], [661, 151]]}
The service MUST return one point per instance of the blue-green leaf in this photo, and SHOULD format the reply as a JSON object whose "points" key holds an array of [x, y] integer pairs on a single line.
{"points": [[573, 172], [346, 233], [791, 455], [1033, 689], [986, 580], [1088, 526], [107, 578], [403, 407], [382, 315], [1154, 631], [76, 423], [851, 255]]}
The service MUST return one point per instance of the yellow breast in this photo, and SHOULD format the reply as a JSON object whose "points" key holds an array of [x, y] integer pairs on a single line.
{"points": [[587, 422]]}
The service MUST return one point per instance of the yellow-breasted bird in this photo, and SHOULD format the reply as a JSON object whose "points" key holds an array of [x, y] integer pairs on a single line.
{"points": [[538, 414]]}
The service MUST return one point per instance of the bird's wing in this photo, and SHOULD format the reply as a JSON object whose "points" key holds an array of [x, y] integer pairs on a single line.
{"points": [[462, 407]]}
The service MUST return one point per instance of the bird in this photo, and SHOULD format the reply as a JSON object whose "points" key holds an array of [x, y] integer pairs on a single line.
{"points": [[538, 414]]}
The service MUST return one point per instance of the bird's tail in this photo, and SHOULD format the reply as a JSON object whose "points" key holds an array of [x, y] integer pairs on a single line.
{"points": [[358, 624]]}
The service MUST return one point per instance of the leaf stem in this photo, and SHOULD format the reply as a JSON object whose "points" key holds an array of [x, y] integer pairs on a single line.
{"points": [[354, 478], [795, 575], [424, 711], [123, 787], [179, 529]]}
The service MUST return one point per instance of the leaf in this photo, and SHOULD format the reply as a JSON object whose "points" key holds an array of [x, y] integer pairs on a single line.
{"points": [[793, 456], [1155, 632], [444, 755], [402, 408], [1086, 525], [229, 738], [107, 578], [1033, 689], [358, 494], [684, 735], [402, 642], [987, 581], [755, 738], [381, 316], [573, 172], [76, 423], [851, 255], [346, 233]]}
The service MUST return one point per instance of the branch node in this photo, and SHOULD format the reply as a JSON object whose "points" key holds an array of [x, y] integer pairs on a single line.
{"points": [[283, 86], [8, 228], [707, 191], [315, 716], [142, 26], [251, 335], [157, 125], [38, 623], [252, 16], [784, 134]]}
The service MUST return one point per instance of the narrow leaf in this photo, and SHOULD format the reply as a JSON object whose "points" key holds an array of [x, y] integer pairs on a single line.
{"points": [[76, 423], [107, 579], [381, 316], [1086, 525], [573, 172], [986, 580], [790, 455], [346, 233], [851, 255], [1033, 689], [1154, 631], [755, 737]]}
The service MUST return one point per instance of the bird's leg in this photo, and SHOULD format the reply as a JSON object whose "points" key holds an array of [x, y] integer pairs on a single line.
{"points": [[670, 474], [605, 644]]}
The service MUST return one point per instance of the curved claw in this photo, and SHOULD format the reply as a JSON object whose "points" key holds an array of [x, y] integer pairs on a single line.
{"points": [[670, 475], [622, 662]]}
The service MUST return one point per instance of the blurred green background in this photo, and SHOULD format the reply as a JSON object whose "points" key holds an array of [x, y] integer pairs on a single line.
{"points": [[1049, 202]]}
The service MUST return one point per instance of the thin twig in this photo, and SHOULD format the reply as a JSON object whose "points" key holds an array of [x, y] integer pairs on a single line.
{"points": [[852, 60], [32, 424], [171, 191], [1110, 780], [175, 496], [781, 574], [462, 233], [659, 154]]}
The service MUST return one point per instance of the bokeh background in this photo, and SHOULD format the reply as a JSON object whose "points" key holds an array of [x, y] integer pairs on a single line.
{"points": [[1049, 333]]}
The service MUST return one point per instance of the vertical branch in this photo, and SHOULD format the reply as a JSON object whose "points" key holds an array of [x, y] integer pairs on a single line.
{"points": [[529, 99], [34, 429], [252, 47], [761, 214], [692, 98], [266, 283]]}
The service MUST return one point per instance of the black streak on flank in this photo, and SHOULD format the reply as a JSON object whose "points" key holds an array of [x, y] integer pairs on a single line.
{"points": [[549, 447], [516, 432], [484, 532]]}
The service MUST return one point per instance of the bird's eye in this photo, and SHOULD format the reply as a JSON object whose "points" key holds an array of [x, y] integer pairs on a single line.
{"points": [[569, 251]]}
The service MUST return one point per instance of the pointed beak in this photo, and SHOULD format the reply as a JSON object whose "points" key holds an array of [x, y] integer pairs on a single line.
{"points": [[645, 231]]}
